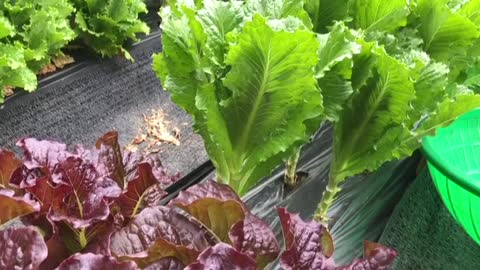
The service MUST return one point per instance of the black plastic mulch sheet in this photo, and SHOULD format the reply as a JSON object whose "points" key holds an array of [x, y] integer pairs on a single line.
{"points": [[79, 104]]}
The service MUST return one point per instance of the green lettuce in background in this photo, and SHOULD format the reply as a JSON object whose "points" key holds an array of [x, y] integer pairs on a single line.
{"points": [[386, 74]]}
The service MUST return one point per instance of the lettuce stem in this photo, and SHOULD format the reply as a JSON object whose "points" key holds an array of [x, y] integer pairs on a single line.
{"points": [[321, 214], [291, 169]]}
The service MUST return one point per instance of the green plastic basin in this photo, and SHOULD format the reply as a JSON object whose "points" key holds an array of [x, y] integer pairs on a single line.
{"points": [[453, 156]]}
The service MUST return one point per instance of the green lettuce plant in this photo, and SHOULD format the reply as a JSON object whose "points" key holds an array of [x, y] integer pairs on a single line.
{"points": [[31, 33], [393, 73], [245, 72]]}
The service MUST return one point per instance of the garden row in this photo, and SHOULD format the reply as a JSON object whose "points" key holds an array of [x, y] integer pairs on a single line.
{"points": [[34, 33], [259, 79]]}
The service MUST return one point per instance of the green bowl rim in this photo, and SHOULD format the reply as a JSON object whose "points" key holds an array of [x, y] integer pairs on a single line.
{"points": [[445, 168]]}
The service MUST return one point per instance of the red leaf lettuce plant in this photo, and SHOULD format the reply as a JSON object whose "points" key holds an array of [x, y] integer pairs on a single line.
{"points": [[71, 208]]}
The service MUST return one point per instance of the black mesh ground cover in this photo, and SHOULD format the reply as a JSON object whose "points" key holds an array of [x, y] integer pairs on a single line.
{"points": [[79, 104], [425, 234]]}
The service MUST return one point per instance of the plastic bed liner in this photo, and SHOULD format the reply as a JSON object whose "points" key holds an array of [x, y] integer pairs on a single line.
{"points": [[79, 104]]}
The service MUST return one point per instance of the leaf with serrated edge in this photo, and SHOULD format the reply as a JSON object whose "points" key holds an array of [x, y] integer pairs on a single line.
{"points": [[267, 110], [382, 102]]}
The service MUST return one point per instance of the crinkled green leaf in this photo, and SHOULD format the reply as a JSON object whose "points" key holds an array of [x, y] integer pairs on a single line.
{"points": [[273, 92], [6, 28], [471, 10], [430, 88], [278, 9], [338, 46], [218, 19], [13, 69], [378, 15], [323, 13], [183, 41], [107, 25], [335, 91], [445, 33], [381, 102], [336, 52], [448, 111], [249, 86]]}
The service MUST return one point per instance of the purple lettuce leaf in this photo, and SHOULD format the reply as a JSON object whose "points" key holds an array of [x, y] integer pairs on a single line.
{"points": [[160, 172], [141, 238], [166, 264], [50, 195], [87, 201], [8, 164], [111, 155], [143, 191], [40, 158], [94, 261], [13, 206], [42, 154], [57, 252], [161, 249], [219, 208], [220, 257], [22, 248], [308, 245], [376, 257], [208, 189], [215, 205], [254, 237]]}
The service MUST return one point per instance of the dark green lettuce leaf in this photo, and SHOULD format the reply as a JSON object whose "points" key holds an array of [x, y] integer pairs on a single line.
{"points": [[324, 13]]}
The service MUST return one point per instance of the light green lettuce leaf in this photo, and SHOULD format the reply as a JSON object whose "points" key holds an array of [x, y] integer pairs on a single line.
{"points": [[336, 52], [378, 15], [183, 43], [106, 25], [471, 10], [6, 28], [445, 34], [430, 85], [278, 9], [218, 19], [13, 69], [382, 102], [273, 94]]}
